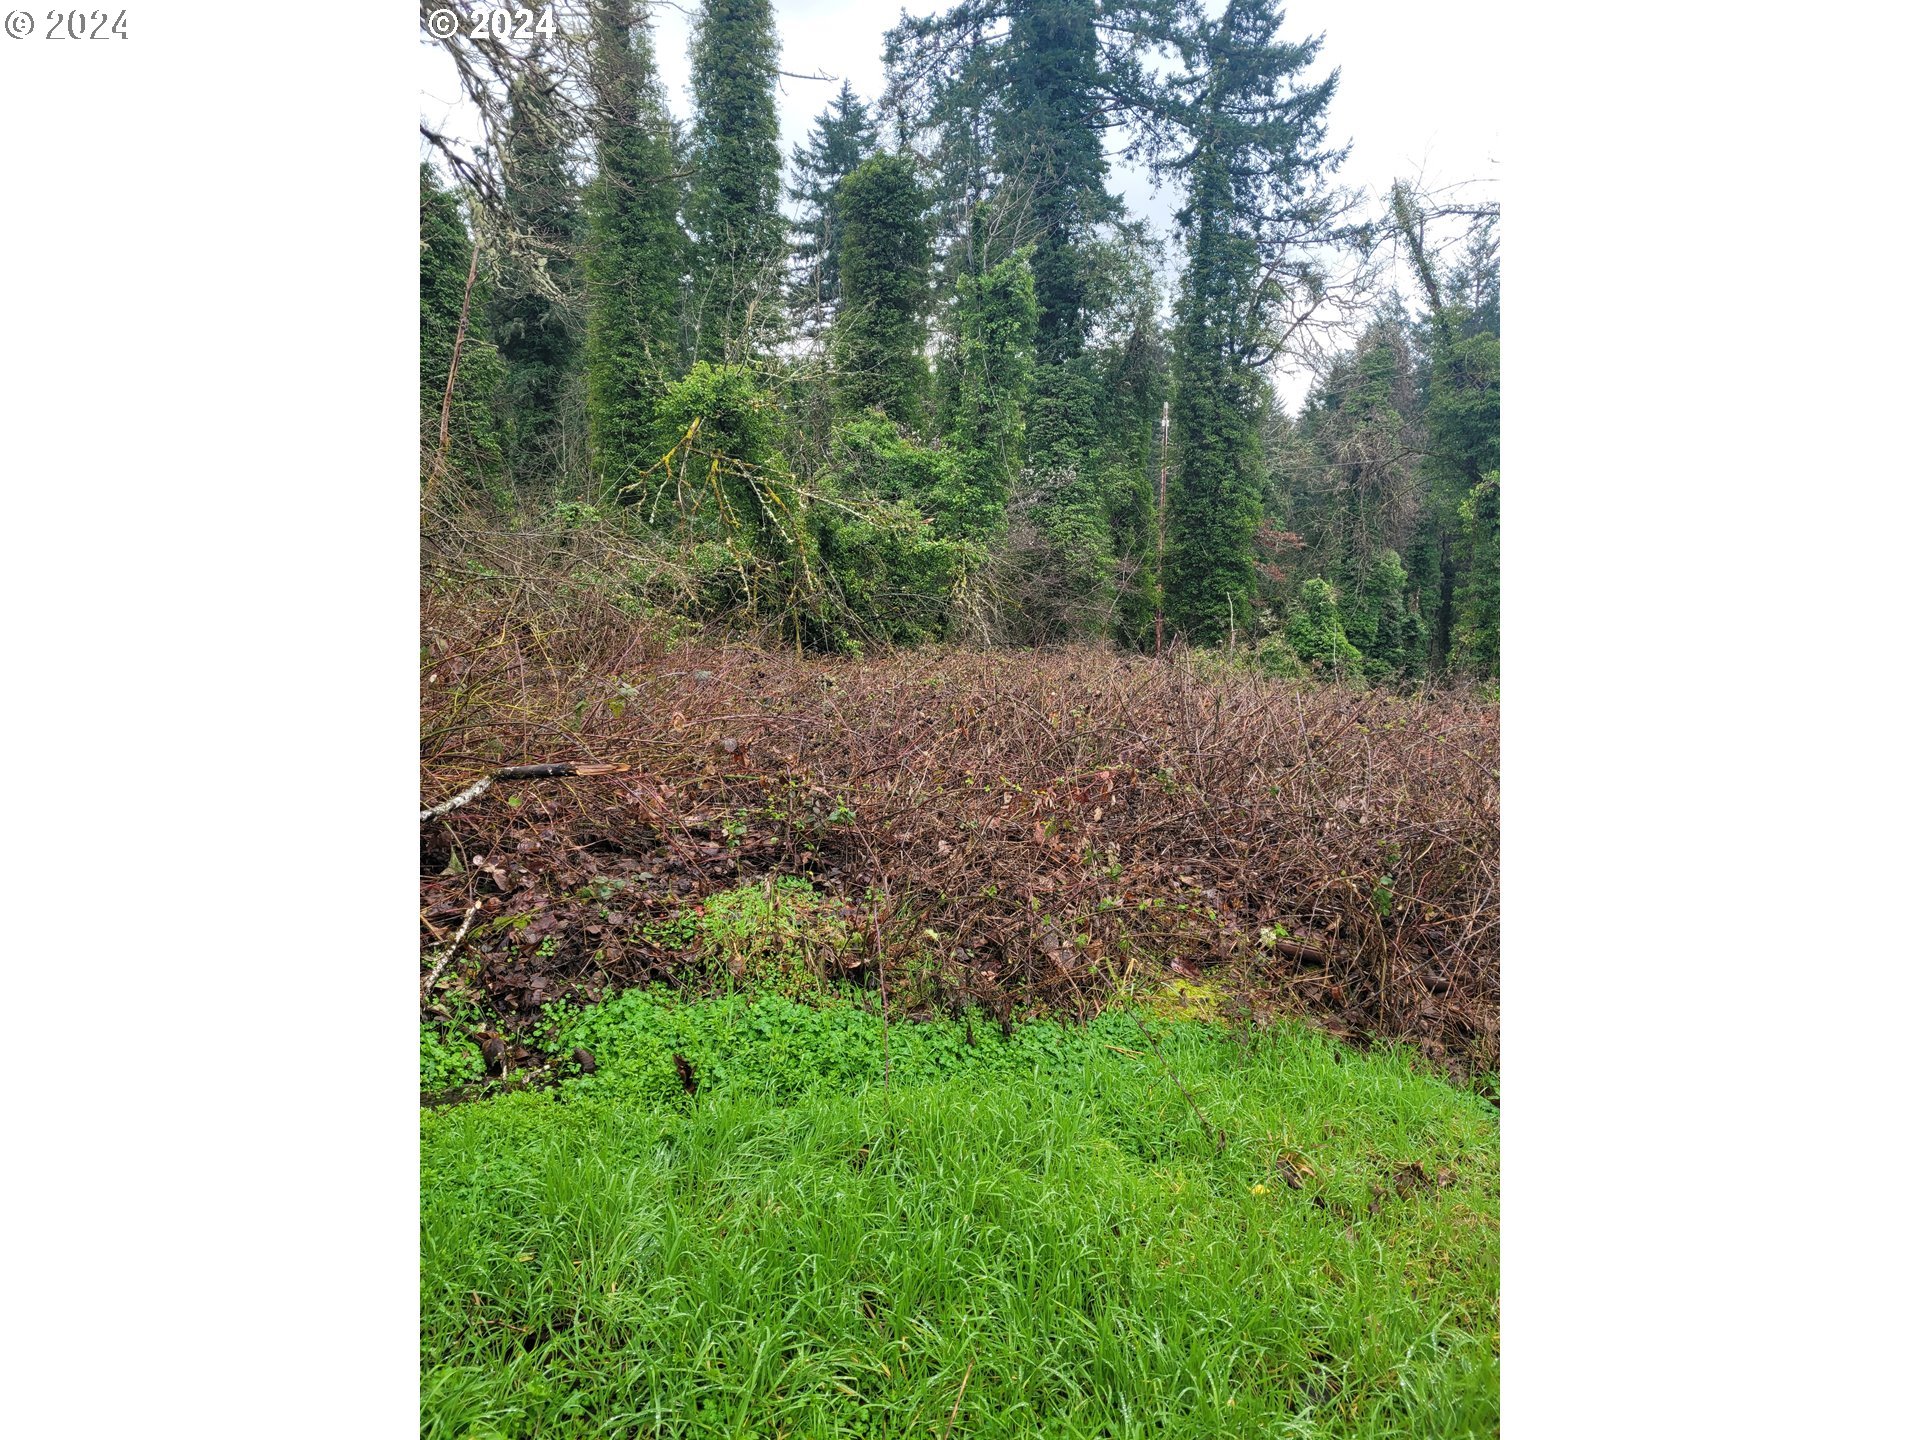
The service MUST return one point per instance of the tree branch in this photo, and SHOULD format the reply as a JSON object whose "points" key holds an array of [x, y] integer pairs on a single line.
{"points": [[555, 770]]}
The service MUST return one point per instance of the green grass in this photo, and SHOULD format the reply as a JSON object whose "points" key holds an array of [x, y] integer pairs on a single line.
{"points": [[1044, 1220]]}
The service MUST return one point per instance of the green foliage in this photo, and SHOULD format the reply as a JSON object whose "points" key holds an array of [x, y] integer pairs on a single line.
{"points": [[1128, 488], [893, 569], [1315, 635], [446, 253], [1034, 447], [893, 578], [1389, 636], [843, 135], [728, 461], [1065, 581], [1464, 425], [1463, 410], [1021, 112], [1048, 144], [994, 362], [1360, 439], [448, 1059], [1390, 475], [626, 1249], [1462, 461], [780, 937], [1007, 89], [885, 259], [1476, 640], [636, 253], [1275, 659], [1133, 388], [734, 207], [1213, 503], [873, 457]]}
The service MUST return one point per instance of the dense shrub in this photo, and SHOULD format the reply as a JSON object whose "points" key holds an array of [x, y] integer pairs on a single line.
{"points": [[1023, 828], [1314, 632]]}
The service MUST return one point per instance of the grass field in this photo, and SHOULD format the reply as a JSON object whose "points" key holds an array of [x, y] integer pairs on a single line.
{"points": [[1071, 1231]]}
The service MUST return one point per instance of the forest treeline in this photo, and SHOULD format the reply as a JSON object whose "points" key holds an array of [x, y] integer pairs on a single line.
{"points": [[923, 379]]}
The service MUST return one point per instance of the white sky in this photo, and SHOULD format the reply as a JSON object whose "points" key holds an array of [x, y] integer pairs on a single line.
{"points": [[1420, 86]]}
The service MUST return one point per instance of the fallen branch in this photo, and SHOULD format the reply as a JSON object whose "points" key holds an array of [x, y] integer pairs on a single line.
{"points": [[559, 770], [447, 954]]}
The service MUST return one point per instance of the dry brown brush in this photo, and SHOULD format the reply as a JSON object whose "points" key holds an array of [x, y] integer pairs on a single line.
{"points": [[1016, 829]]}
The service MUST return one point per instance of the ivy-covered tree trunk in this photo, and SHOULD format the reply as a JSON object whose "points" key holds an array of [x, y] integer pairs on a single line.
{"points": [[734, 209], [635, 254], [1249, 133], [886, 255], [1134, 390], [1214, 500], [994, 359], [1048, 148]]}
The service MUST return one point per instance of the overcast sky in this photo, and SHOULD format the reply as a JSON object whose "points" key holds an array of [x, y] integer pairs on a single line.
{"points": [[1419, 86]]}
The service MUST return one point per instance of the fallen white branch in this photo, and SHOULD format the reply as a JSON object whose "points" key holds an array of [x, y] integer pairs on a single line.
{"points": [[447, 954], [472, 792], [558, 770]]}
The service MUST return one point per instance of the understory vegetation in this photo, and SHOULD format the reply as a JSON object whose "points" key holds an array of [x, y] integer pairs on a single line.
{"points": [[1023, 832], [759, 1217]]}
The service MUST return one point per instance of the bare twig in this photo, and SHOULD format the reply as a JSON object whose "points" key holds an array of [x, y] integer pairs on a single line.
{"points": [[453, 369]]}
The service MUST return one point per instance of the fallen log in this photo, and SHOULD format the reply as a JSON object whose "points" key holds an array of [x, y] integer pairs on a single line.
{"points": [[555, 770]]}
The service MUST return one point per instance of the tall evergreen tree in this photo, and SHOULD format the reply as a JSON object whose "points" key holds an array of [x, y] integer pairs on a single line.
{"points": [[1047, 143], [842, 137], [941, 75], [734, 209], [538, 339], [886, 256], [636, 252], [1019, 94], [446, 257], [1248, 143]]}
